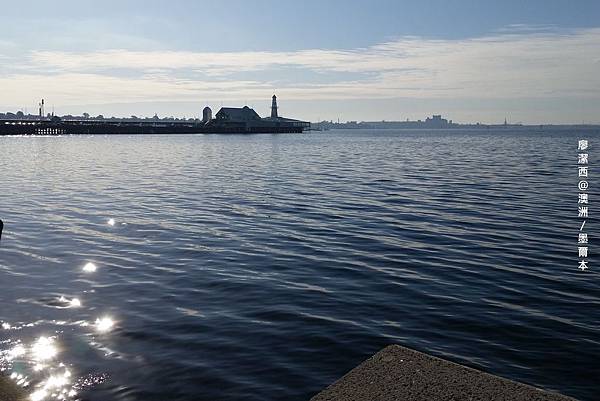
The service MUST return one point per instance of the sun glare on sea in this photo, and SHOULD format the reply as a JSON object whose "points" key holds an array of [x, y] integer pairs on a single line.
{"points": [[89, 267], [16, 352], [56, 386], [104, 324], [44, 349]]}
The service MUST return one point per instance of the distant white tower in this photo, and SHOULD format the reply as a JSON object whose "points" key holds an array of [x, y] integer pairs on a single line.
{"points": [[206, 115], [274, 107]]}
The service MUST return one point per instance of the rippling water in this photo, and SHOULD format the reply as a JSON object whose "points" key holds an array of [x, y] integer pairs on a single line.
{"points": [[263, 267]]}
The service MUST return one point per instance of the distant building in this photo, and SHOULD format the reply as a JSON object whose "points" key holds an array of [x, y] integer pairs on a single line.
{"points": [[436, 121], [206, 115], [433, 122], [236, 116]]}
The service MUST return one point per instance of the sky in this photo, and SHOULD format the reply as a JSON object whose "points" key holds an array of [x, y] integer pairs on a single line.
{"points": [[471, 61]]}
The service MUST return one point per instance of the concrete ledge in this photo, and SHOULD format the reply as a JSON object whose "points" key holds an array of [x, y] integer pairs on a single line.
{"points": [[9, 391], [401, 374]]}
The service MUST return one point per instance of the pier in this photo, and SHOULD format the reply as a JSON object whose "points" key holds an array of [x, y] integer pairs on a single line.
{"points": [[88, 127], [228, 120]]}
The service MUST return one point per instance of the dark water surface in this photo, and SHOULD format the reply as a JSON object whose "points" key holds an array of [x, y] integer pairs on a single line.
{"points": [[263, 267]]}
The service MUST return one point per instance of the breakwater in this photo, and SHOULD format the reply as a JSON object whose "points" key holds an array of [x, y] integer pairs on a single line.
{"points": [[399, 373]]}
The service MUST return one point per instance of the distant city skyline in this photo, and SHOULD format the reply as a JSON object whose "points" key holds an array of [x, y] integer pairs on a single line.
{"points": [[471, 61]]}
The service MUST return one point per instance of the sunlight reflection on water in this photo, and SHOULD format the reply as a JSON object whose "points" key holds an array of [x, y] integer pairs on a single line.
{"points": [[72, 303], [89, 267], [35, 366], [104, 324], [44, 349]]}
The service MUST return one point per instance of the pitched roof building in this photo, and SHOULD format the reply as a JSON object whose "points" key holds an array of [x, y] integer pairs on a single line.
{"points": [[245, 119], [234, 114]]}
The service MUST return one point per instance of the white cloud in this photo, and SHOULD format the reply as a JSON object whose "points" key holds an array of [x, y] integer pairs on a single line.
{"points": [[79, 88], [517, 62]]}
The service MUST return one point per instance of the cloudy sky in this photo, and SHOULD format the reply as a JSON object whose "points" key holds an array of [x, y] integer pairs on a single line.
{"points": [[537, 62]]}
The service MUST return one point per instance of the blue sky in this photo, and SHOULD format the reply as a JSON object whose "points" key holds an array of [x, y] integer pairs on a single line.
{"points": [[530, 61]]}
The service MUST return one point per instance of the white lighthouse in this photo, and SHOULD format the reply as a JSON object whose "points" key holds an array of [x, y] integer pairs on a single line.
{"points": [[274, 107]]}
